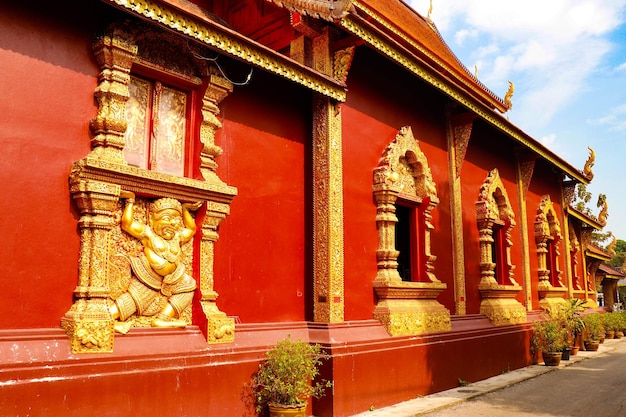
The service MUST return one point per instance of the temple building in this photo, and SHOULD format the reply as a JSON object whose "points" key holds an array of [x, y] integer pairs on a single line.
{"points": [[192, 181]]}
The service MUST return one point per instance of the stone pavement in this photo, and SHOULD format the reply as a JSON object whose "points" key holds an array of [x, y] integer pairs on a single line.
{"points": [[430, 403]]}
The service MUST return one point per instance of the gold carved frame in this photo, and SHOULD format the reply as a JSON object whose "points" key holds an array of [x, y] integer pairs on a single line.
{"points": [[97, 181], [405, 308], [492, 208]]}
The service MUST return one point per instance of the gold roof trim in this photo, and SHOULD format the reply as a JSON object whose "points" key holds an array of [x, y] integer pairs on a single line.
{"points": [[406, 59], [190, 21], [586, 219]]}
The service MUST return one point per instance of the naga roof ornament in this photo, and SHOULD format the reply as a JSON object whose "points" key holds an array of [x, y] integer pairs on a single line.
{"points": [[508, 97], [587, 171]]}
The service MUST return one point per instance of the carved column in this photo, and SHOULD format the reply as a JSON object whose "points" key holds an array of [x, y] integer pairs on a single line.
{"points": [[571, 242], [88, 322], [217, 89], [115, 57], [220, 328], [328, 256], [459, 133], [524, 172]]}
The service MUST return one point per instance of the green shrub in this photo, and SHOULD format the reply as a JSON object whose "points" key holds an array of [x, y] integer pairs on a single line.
{"points": [[286, 376]]}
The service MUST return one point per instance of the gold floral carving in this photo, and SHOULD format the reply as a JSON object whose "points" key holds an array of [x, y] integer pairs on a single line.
{"points": [[195, 25], [493, 209], [569, 188], [324, 9], [97, 181], [548, 233], [415, 66], [328, 258], [462, 131], [342, 61], [405, 307]]}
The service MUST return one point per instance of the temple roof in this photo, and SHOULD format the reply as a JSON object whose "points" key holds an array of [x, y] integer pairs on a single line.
{"points": [[610, 272], [597, 253], [420, 35], [391, 27]]}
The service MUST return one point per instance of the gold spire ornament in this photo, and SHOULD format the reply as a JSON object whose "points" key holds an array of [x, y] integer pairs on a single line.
{"points": [[430, 10]]}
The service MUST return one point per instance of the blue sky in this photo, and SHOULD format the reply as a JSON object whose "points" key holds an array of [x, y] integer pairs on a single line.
{"points": [[567, 59]]}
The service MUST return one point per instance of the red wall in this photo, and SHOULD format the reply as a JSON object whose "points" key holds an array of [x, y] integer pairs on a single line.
{"points": [[487, 150], [261, 256], [371, 120], [46, 102]]}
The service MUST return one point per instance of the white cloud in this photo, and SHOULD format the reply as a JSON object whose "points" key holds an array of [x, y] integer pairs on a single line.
{"points": [[462, 35], [621, 67], [615, 120], [549, 140]]}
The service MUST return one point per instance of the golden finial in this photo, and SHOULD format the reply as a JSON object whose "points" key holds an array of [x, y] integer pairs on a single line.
{"points": [[430, 10], [509, 95], [587, 172], [476, 71]]}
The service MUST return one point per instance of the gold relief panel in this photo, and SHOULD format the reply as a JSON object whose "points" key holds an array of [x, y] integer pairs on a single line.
{"points": [[137, 225]]}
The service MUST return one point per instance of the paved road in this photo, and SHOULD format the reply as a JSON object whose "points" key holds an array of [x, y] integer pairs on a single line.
{"points": [[595, 387]]}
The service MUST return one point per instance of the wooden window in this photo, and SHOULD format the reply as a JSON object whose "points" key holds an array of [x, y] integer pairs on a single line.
{"points": [[159, 122]]}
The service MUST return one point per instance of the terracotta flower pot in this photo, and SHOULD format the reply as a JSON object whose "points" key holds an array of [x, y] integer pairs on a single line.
{"points": [[575, 350], [551, 358], [279, 410], [592, 345]]}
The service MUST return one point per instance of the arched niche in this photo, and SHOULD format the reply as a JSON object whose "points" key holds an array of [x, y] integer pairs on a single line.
{"points": [[495, 220], [403, 179]]}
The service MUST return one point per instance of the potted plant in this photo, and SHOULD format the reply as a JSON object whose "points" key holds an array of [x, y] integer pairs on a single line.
{"points": [[610, 324], [594, 330], [574, 323], [549, 337], [284, 382]]}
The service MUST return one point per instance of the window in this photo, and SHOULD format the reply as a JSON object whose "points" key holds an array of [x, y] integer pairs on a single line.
{"points": [[548, 238], [408, 234], [157, 133], [498, 253]]}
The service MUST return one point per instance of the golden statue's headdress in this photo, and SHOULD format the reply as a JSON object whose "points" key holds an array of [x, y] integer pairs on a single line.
{"points": [[166, 203]]}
